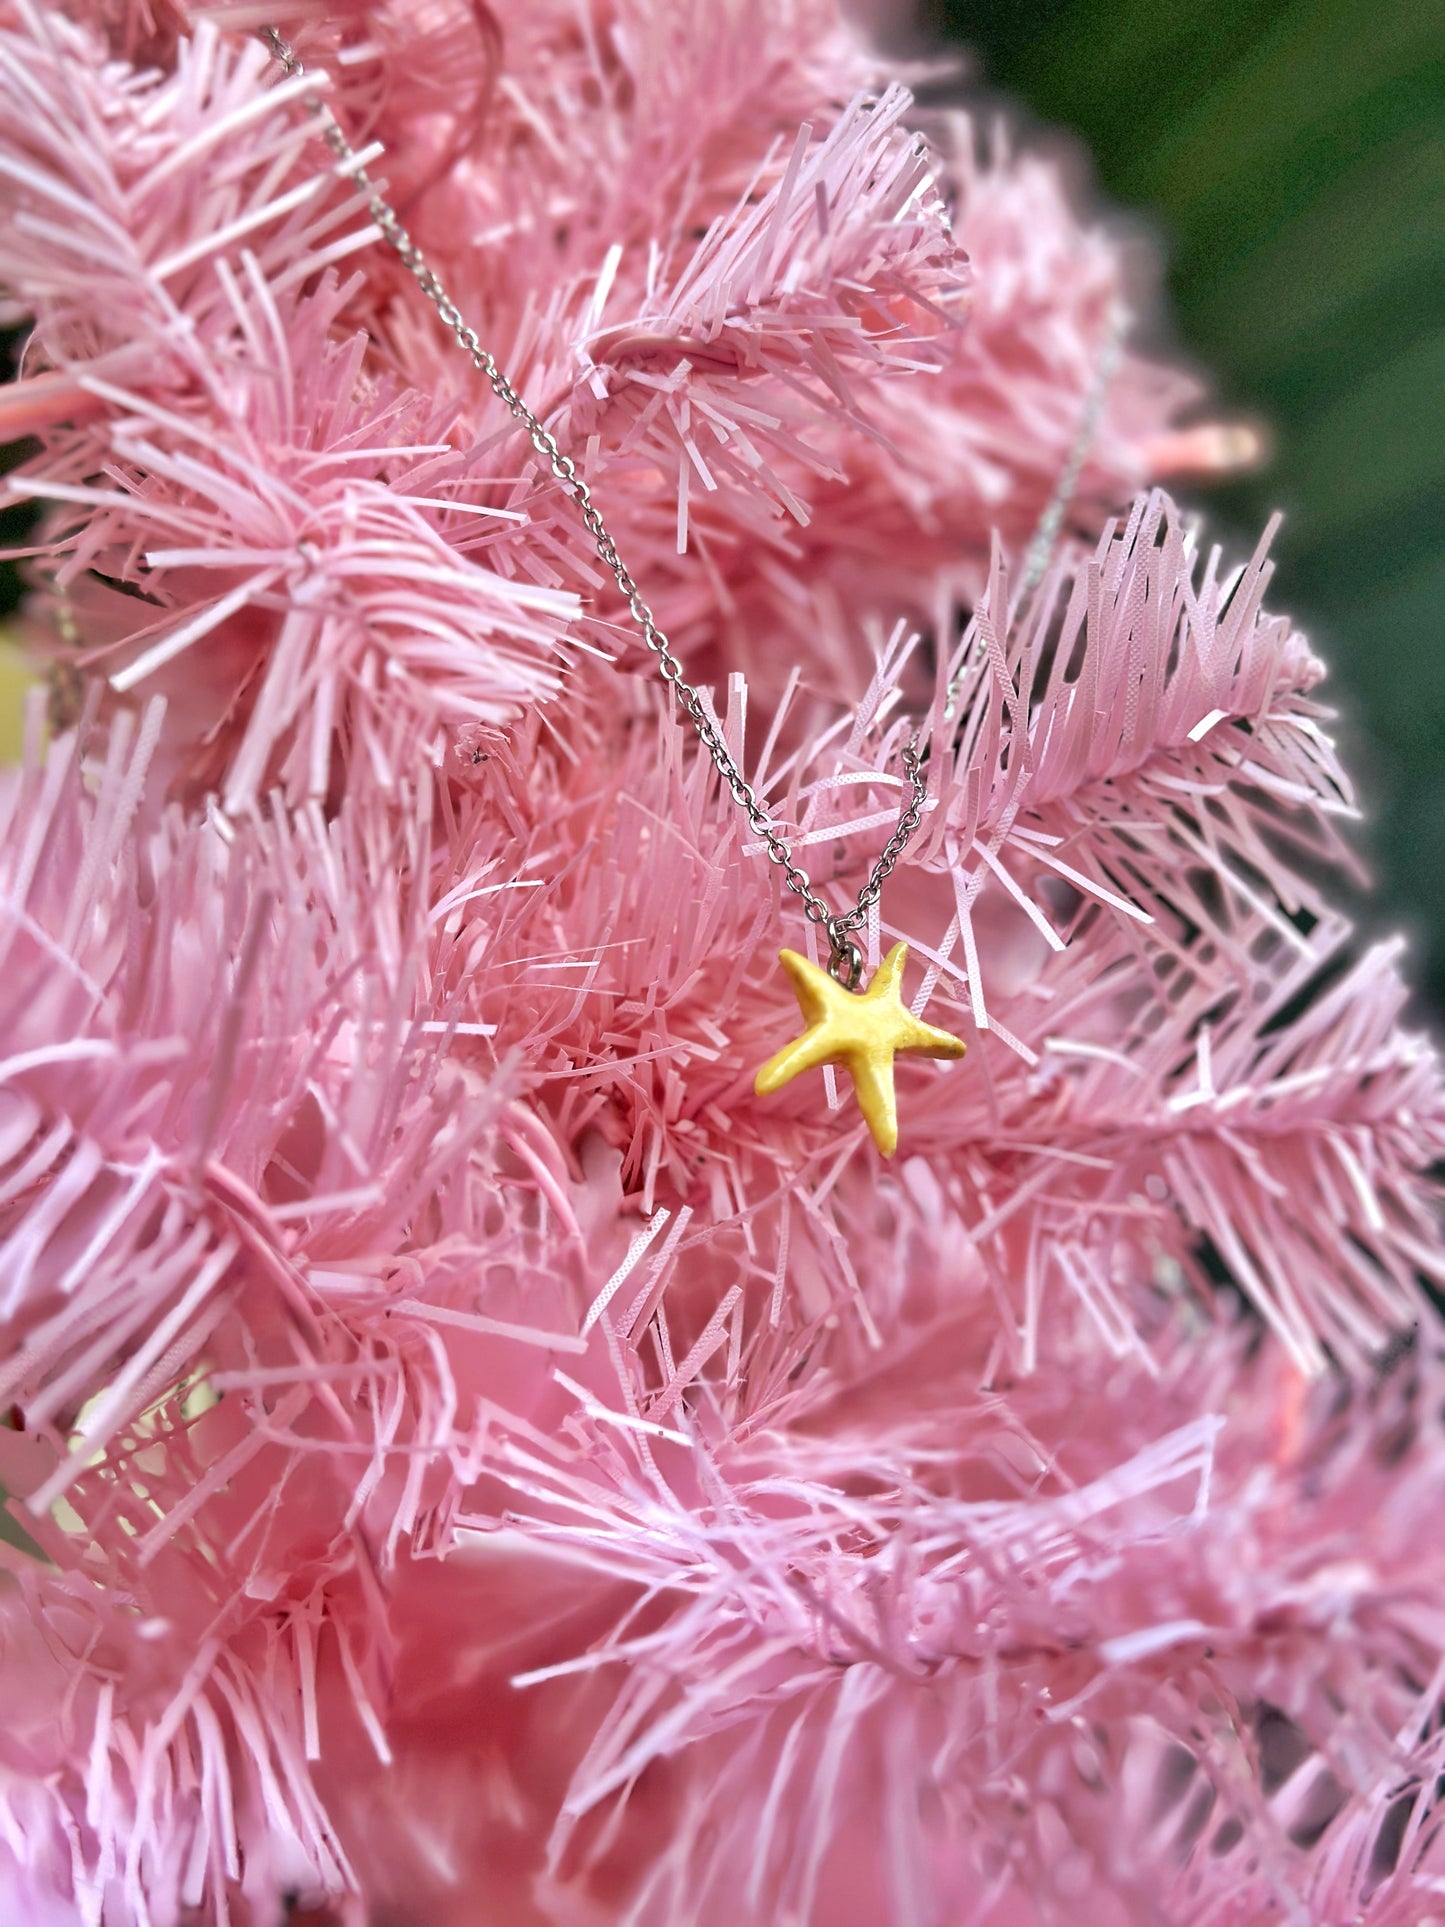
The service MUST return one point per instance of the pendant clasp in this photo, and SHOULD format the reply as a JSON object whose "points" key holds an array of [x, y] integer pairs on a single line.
{"points": [[845, 965]]}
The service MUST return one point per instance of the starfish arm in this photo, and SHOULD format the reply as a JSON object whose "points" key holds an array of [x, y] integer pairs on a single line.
{"points": [[815, 1046], [872, 1073], [927, 1040], [888, 977], [818, 996]]}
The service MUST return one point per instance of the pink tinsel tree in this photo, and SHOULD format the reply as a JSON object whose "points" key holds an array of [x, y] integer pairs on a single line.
{"points": [[472, 1460]]}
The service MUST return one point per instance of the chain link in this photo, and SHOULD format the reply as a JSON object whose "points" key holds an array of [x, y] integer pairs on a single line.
{"points": [[845, 961], [1040, 551]]}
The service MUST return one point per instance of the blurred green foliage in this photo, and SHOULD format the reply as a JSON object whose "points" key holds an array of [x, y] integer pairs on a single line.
{"points": [[1292, 159]]}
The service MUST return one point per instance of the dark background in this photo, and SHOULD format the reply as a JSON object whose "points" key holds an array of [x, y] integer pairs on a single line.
{"points": [[1291, 160]]}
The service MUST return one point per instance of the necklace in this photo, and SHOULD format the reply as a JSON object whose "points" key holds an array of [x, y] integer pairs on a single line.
{"points": [[860, 1028]]}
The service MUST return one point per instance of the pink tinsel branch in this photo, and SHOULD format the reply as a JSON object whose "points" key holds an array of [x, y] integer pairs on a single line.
{"points": [[474, 1458]]}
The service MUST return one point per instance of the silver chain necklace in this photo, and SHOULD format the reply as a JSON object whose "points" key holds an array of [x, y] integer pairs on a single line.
{"points": [[862, 1031], [845, 961]]}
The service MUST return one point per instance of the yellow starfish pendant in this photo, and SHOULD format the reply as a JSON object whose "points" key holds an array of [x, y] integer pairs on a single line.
{"points": [[861, 1030]]}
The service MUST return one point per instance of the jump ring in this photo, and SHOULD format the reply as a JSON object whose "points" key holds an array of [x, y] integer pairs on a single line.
{"points": [[845, 965]]}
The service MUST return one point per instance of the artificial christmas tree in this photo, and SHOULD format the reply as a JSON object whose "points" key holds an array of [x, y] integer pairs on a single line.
{"points": [[480, 1460]]}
